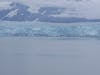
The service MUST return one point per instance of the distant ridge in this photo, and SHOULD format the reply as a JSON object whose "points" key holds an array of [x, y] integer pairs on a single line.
{"points": [[14, 11]]}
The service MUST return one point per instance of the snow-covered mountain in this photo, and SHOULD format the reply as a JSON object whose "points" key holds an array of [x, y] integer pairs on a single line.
{"points": [[16, 11], [12, 11]]}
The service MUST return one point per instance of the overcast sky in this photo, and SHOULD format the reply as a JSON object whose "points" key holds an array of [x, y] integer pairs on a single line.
{"points": [[87, 8]]}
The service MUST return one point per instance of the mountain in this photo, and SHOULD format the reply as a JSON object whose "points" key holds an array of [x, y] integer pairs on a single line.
{"points": [[15, 11]]}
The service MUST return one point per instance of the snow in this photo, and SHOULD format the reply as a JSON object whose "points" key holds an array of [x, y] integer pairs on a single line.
{"points": [[70, 12], [12, 13], [83, 8], [86, 8]]}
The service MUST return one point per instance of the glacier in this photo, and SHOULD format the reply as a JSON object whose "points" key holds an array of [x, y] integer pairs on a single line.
{"points": [[40, 29]]}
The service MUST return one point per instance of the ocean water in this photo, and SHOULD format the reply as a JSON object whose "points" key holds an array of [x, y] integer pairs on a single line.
{"points": [[37, 54]]}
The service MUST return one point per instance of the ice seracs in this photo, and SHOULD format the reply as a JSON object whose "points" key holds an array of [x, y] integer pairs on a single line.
{"points": [[49, 30]]}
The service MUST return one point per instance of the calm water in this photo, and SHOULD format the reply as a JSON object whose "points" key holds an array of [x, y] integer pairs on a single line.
{"points": [[32, 56], [49, 48]]}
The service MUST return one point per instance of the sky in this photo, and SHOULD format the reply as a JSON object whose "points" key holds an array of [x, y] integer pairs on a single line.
{"points": [[85, 8]]}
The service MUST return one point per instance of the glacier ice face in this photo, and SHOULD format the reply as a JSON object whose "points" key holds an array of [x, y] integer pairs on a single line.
{"points": [[49, 30]]}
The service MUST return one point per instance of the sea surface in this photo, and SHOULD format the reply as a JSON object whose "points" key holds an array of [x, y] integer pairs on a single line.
{"points": [[29, 54]]}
